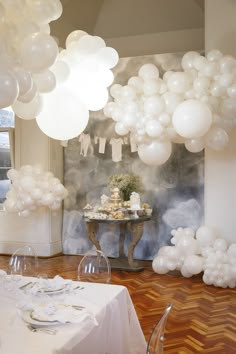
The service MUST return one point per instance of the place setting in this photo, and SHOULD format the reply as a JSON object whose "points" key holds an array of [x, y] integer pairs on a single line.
{"points": [[52, 286], [40, 311]]}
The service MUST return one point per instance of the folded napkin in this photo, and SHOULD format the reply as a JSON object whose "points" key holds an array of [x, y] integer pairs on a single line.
{"points": [[57, 312], [48, 286]]}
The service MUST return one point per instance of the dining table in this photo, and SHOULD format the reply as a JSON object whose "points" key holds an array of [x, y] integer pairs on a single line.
{"points": [[101, 318]]}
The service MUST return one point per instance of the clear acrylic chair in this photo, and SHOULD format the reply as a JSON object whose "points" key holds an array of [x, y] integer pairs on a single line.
{"points": [[24, 261], [156, 339], [94, 267]]}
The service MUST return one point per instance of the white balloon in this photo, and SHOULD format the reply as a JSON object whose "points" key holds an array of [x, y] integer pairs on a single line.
{"points": [[220, 245], [205, 236], [24, 79], [74, 36], [38, 52], [61, 70], [188, 59], [193, 264], [232, 250], [116, 90], [154, 105], [228, 108], [217, 138], [227, 64], [155, 153], [184, 271], [231, 91], [9, 89], [214, 55], [165, 119], [107, 57], [148, 71], [195, 145], [192, 119], [179, 82], [159, 265], [154, 128], [199, 62], [137, 83], [29, 95], [121, 129], [45, 81], [28, 110], [172, 100], [201, 85], [109, 109], [151, 87], [187, 245], [63, 115]]}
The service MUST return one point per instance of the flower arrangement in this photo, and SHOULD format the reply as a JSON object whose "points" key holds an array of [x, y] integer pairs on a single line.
{"points": [[127, 183]]}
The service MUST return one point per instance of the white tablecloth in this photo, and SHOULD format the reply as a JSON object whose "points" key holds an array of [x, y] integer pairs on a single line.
{"points": [[111, 328]]}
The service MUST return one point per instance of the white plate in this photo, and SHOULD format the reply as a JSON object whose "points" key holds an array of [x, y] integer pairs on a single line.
{"points": [[26, 316], [50, 291]]}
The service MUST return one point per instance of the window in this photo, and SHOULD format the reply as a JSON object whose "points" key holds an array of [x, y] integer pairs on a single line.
{"points": [[6, 150]]}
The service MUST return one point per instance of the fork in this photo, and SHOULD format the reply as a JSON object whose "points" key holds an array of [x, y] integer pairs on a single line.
{"points": [[41, 329]]}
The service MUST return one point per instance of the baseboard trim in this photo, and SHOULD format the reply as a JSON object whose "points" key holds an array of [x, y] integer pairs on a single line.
{"points": [[42, 249]]}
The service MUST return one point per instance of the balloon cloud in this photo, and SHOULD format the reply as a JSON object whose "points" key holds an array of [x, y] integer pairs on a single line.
{"points": [[195, 107], [57, 87], [201, 252], [32, 188]]}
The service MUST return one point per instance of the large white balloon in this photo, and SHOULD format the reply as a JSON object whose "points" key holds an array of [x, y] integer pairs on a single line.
{"points": [[63, 115], [192, 119], [155, 153]]}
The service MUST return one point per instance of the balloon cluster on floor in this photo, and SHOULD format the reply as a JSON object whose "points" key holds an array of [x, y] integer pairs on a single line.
{"points": [[33, 188], [196, 106], [204, 251], [58, 89]]}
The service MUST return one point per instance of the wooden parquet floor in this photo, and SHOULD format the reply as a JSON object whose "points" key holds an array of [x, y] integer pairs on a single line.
{"points": [[203, 318]]}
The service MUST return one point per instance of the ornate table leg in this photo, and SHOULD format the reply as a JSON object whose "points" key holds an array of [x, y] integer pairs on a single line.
{"points": [[122, 239], [137, 231], [92, 228]]}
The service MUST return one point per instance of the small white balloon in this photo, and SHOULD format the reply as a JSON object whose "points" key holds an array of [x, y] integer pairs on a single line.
{"points": [[121, 129], [195, 145], [217, 138], [155, 153], [148, 71]]}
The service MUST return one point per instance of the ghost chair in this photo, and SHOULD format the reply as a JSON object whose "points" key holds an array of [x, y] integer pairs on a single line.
{"points": [[94, 267], [156, 340], [23, 261]]}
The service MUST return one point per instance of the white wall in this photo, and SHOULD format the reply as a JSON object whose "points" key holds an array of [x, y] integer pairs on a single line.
{"points": [[158, 43], [42, 229], [220, 167]]}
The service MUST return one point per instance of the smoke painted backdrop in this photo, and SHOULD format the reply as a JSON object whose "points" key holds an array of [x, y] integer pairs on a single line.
{"points": [[175, 190]]}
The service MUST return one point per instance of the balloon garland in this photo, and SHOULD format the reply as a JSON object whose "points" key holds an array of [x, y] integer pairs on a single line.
{"points": [[33, 188], [195, 107], [204, 251], [36, 80]]}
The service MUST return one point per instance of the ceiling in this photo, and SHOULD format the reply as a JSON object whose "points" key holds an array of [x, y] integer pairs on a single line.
{"points": [[122, 18]]}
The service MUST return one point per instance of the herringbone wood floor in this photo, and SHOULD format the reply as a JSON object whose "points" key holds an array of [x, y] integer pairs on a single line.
{"points": [[203, 319]]}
